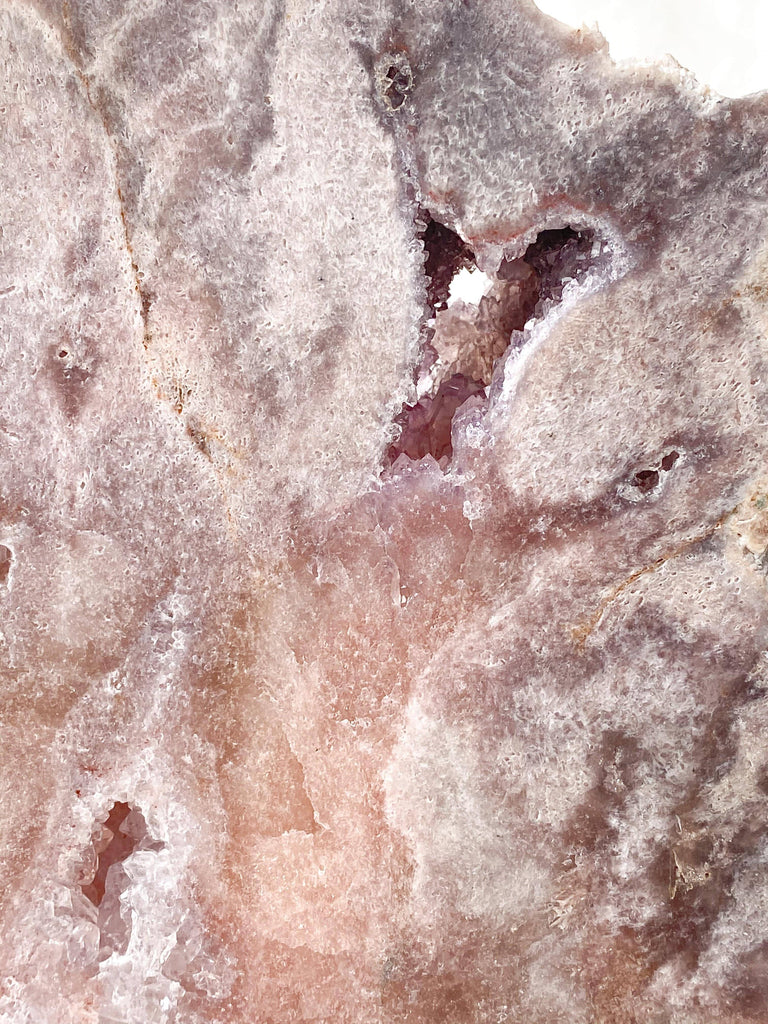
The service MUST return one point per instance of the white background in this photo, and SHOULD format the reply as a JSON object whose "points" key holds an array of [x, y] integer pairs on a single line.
{"points": [[725, 43]]}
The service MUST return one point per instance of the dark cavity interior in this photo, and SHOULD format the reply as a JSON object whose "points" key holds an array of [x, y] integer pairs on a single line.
{"points": [[398, 78], [461, 350], [123, 832], [445, 254]]}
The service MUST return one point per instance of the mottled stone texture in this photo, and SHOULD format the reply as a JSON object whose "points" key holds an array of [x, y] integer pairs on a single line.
{"points": [[291, 731]]}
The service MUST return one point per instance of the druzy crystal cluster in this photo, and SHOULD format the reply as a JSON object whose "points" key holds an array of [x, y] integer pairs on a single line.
{"points": [[370, 655]]}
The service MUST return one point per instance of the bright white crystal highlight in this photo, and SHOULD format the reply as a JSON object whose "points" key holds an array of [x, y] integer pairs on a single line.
{"points": [[468, 286]]}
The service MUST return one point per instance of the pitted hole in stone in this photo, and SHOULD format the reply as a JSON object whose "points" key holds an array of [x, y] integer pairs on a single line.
{"points": [[6, 557], [118, 838], [649, 480], [399, 82], [645, 480], [393, 80]]}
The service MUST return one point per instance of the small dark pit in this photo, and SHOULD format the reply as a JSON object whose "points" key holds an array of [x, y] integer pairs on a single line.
{"points": [[645, 480], [669, 460], [399, 82]]}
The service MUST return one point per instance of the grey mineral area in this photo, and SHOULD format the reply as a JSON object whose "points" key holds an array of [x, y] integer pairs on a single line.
{"points": [[368, 654]]}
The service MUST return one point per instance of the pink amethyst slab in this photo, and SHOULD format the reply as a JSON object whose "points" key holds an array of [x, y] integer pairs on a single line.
{"points": [[304, 718]]}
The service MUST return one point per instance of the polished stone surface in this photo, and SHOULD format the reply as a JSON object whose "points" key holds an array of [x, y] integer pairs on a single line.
{"points": [[295, 724]]}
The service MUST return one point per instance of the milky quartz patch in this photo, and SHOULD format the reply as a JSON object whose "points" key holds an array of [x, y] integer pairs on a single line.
{"points": [[300, 722]]}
